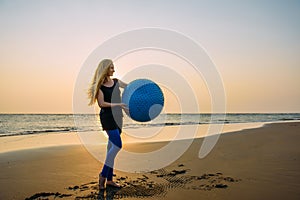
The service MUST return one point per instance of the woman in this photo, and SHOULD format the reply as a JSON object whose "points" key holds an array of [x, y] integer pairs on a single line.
{"points": [[106, 92]]}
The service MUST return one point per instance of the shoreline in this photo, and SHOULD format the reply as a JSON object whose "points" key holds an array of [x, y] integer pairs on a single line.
{"points": [[44, 140]]}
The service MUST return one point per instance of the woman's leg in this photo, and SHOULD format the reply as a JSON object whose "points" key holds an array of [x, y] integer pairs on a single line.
{"points": [[110, 174], [113, 147], [106, 168], [110, 169]]}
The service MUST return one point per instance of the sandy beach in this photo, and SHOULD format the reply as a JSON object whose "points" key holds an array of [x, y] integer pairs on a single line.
{"points": [[260, 163]]}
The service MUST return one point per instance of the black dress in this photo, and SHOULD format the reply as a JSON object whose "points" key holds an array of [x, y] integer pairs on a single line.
{"points": [[111, 117]]}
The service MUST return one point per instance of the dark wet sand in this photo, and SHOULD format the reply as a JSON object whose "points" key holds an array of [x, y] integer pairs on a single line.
{"points": [[260, 163]]}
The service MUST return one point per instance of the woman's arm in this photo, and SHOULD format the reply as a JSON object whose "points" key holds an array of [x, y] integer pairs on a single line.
{"points": [[103, 104], [122, 84]]}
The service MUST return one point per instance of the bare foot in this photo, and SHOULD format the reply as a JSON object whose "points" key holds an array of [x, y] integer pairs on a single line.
{"points": [[102, 182], [113, 184]]}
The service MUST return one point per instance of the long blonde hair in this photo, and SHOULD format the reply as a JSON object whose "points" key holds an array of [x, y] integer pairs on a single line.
{"points": [[98, 79]]}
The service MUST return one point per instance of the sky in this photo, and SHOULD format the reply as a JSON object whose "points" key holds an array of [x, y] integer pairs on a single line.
{"points": [[254, 45]]}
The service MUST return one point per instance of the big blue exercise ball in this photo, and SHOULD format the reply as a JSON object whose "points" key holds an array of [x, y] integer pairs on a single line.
{"points": [[144, 99]]}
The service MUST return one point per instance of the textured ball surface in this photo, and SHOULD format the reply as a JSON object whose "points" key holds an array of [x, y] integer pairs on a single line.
{"points": [[144, 99]]}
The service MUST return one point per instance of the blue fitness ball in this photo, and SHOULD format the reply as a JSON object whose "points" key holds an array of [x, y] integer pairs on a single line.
{"points": [[144, 100]]}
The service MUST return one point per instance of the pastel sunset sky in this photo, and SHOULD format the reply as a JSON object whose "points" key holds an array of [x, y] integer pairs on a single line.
{"points": [[255, 45]]}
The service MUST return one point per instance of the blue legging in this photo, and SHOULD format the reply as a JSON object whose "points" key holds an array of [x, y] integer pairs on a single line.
{"points": [[114, 145]]}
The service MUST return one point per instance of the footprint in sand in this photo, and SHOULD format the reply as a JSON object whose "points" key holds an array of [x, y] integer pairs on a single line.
{"points": [[153, 184]]}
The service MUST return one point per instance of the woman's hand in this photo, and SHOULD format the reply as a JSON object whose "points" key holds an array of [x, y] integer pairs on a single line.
{"points": [[124, 107]]}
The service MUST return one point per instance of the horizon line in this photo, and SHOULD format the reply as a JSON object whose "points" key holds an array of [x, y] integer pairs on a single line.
{"points": [[162, 113]]}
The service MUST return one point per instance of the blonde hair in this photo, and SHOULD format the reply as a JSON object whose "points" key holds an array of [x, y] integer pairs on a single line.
{"points": [[98, 79]]}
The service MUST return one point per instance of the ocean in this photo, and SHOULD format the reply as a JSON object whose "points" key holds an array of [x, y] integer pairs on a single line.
{"points": [[26, 124]]}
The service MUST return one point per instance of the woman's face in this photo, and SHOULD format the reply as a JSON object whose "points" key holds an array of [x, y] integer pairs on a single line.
{"points": [[111, 70]]}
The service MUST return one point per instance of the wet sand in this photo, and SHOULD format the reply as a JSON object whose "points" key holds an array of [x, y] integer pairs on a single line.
{"points": [[261, 163]]}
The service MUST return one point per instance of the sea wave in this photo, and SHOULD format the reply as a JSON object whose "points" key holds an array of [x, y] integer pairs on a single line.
{"points": [[29, 124]]}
